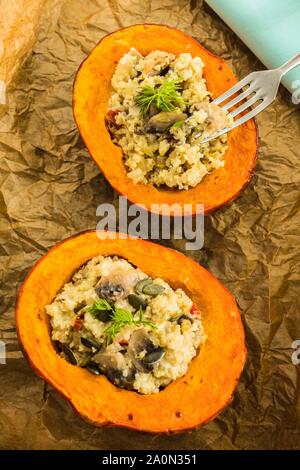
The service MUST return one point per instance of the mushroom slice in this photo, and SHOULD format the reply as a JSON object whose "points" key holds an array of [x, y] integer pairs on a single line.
{"points": [[163, 121], [117, 285], [140, 342], [113, 365]]}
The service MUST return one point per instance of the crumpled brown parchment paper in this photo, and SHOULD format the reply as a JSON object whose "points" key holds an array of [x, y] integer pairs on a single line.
{"points": [[50, 189], [18, 24]]}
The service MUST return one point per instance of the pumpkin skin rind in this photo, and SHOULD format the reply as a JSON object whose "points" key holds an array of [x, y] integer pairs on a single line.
{"points": [[91, 92], [188, 402]]}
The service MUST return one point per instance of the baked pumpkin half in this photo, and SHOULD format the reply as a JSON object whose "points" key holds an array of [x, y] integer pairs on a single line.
{"points": [[91, 94], [188, 402]]}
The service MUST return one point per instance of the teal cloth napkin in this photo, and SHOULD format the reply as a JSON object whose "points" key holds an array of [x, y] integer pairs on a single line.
{"points": [[270, 28]]}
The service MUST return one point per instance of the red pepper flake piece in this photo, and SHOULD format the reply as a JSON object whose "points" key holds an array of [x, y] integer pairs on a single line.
{"points": [[194, 310], [110, 118], [78, 324]]}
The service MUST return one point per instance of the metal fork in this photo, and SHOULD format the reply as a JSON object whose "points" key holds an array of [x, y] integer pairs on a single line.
{"points": [[264, 85]]}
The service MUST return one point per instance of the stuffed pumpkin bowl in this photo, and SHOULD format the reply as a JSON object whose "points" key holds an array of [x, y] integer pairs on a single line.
{"points": [[139, 100], [200, 391]]}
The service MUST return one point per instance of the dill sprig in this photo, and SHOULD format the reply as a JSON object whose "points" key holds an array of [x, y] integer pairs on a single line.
{"points": [[98, 306], [122, 317], [166, 97]]}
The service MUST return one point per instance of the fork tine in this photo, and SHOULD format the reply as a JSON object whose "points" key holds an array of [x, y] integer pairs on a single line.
{"points": [[238, 122], [251, 113], [246, 105], [245, 81], [239, 98]]}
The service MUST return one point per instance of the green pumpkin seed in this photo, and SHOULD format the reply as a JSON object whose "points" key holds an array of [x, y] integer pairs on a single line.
{"points": [[154, 356], [141, 284], [93, 368], [104, 315], [153, 289], [136, 301], [90, 343], [69, 354]]}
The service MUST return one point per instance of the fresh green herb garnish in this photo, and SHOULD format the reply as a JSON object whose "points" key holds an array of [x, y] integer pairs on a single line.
{"points": [[118, 317], [166, 97], [98, 306], [122, 317]]}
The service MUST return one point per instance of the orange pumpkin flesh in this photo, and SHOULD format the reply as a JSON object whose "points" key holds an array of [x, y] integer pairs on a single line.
{"points": [[186, 403], [92, 89]]}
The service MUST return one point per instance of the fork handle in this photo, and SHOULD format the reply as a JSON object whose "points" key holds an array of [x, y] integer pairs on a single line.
{"points": [[290, 64]]}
